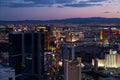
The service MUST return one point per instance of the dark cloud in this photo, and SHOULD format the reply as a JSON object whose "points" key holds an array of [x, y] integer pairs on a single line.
{"points": [[25, 5], [118, 11], [63, 1], [60, 6], [17, 5], [51, 1], [41, 1], [86, 3], [96, 0], [81, 5], [107, 12], [48, 3]]}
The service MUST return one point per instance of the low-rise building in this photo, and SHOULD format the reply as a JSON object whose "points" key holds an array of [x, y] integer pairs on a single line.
{"points": [[7, 73]]}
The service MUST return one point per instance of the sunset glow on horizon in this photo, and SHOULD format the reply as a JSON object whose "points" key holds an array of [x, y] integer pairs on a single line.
{"points": [[58, 9]]}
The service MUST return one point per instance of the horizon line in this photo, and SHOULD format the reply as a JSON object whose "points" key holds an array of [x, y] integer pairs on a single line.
{"points": [[61, 19]]}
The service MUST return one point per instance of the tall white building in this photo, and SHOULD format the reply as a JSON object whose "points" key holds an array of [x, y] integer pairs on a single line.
{"points": [[112, 60]]}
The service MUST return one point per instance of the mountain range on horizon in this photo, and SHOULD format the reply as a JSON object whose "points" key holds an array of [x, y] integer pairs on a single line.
{"points": [[67, 20]]}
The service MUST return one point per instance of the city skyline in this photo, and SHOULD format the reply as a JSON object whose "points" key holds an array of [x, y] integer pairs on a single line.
{"points": [[57, 9]]}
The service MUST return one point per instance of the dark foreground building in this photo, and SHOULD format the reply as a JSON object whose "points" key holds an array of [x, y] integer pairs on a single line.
{"points": [[26, 54]]}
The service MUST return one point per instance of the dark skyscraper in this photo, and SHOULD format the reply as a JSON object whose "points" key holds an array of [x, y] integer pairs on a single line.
{"points": [[27, 53], [15, 52]]}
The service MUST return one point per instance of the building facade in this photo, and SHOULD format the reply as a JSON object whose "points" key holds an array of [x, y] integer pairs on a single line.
{"points": [[26, 53], [72, 69]]}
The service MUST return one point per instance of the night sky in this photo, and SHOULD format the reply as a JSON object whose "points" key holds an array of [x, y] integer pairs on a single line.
{"points": [[58, 9]]}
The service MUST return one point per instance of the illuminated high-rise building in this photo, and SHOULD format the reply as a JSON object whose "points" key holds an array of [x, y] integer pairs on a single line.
{"points": [[46, 37], [112, 60], [46, 40], [104, 35], [101, 35]]}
